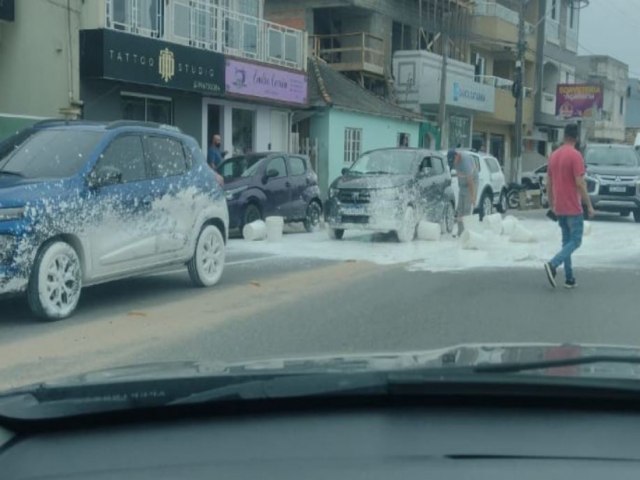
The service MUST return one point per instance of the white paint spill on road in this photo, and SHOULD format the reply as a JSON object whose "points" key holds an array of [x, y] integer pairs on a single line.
{"points": [[611, 244]]}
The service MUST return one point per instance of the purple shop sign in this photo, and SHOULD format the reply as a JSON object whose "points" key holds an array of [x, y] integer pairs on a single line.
{"points": [[579, 100], [265, 82]]}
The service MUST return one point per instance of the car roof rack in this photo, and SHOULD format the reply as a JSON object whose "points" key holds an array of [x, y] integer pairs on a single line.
{"points": [[63, 121], [137, 123]]}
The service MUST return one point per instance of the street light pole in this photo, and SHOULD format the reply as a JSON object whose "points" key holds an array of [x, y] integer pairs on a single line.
{"points": [[519, 93], [442, 111]]}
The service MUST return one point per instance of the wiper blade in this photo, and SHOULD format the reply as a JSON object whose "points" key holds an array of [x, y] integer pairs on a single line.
{"points": [[379, 172], [9, 172], [516, 367]]}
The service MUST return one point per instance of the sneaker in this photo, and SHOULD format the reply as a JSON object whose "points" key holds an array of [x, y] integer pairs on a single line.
{"points": [[570, 284], [551, 274]]}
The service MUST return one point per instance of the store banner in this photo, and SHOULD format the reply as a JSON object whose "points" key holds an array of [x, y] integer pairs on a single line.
{"points": [[131, 58], [579, 100], [262, 82]]}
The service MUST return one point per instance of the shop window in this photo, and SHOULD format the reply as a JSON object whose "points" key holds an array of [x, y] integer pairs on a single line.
{"points": [[147, 109], [403, 139], [242, 122], [352, 144]]}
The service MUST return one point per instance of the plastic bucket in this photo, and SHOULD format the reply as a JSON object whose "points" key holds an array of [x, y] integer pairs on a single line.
{"points": [[275, 225], [473, 240], [255, 231], [429, 231], [586, 229], [522, 235], [472, 222], [494, 222], [509, 225]]}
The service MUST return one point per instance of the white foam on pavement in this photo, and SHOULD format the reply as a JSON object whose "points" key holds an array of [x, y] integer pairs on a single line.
{"points": [[611, 244]]}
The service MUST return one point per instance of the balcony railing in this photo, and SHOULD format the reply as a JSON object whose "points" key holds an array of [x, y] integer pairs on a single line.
{"points": [[500, 83], [359, 51], [201, 24], [493, 9]]}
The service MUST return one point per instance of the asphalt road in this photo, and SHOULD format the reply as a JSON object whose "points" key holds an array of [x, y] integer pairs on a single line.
{"points": [[267, 306]]}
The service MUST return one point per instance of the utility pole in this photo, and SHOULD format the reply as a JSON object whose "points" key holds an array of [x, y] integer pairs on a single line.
{"points": [[442, 111], [518, 93]]}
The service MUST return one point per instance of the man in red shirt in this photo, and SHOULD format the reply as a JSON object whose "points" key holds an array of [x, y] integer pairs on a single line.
{"points": [[567, 192]]}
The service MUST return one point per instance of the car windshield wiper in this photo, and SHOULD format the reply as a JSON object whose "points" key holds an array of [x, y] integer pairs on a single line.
{"points": [[9, 172], [379, 172], [516, 367]]}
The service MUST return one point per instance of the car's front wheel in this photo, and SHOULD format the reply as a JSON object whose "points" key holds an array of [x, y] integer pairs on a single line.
{"points": [[486, 205], [448, 218], [56, 281], [407, 231], [207, 263], [503, 205], [636, 216], [313, 216]]}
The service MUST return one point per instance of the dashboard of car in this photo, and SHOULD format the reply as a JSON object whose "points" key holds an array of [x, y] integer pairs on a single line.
{"points": [[347, 443]]}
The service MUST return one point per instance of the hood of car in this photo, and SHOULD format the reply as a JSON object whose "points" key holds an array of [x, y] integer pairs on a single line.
{"points": [[17, 191], [463, 355], [613, 170], [357, 181]]}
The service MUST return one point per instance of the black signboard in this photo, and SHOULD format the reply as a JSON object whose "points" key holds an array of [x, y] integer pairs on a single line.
{"points": [[7, 10], [131, 58]]}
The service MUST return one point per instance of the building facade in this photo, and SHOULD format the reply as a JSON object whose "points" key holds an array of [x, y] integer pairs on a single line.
{"points": [[613, 75], [557, 55], [206, 66], [632, 114], [345, 120]]}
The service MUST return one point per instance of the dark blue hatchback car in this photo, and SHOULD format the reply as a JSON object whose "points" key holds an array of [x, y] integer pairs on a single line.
{"points": [[259, 185], [82, 204]]}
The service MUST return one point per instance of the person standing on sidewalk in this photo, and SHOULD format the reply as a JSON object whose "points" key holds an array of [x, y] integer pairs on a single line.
{"points": [[567, 191], [467, 185]]}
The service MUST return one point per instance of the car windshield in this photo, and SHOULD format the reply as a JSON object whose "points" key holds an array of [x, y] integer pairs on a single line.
{"points": [[207, 185], [618, 156], [244, 166], [51, 153], [393, 162]]}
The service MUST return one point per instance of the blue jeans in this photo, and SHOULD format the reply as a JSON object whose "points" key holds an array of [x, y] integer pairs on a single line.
{"points": [[572, 228]]}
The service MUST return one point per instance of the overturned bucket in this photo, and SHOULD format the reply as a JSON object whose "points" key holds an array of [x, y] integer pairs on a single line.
{"points": [[471, 240], [429, 231], [522, 235], [509, 225], [275, 225], [255, 231], [494, 223]]}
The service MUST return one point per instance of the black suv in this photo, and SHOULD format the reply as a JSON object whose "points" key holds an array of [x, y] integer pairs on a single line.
{"points": [[613, 178], [391, 190]]}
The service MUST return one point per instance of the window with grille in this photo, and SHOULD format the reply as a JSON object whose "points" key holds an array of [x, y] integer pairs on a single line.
{"points": [[352, 144]]}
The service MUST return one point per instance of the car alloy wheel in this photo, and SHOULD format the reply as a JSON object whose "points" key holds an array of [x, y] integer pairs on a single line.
{"points": [[487, 205], [407, 231], [207, 264], [448, 218], [56, 282], [251, 214], [503, 203], [312, 220]]}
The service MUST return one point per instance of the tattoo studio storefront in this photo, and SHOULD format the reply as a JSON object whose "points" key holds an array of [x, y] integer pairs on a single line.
{"points": [[130, 77]]}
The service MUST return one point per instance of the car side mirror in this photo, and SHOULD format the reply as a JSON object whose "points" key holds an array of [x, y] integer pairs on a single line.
{"points": [[105, 176], [272, 173], [345, 171]]}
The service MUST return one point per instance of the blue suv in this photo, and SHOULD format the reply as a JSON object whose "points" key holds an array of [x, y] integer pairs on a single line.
{"points": [[82, 204]]}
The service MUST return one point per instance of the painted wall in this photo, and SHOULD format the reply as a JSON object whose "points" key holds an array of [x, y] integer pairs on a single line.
{"points": [[377, 132]]}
